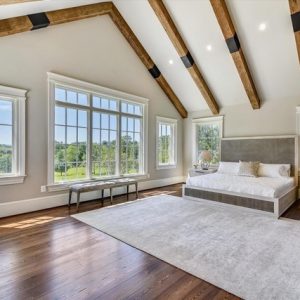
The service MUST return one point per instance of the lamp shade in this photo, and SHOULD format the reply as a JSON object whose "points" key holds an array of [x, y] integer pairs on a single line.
{"points": [[205, 155]]}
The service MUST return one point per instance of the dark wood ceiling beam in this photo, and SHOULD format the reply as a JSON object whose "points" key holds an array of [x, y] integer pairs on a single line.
{"points": [[232, 40], [6, 2], [182, 50], [146, 59], [40, 20], [14, 25], [79, 13], [295, 16]]}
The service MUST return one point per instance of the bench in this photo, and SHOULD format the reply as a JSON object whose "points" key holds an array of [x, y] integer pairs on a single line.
{"points": [[80, 188], [126, 182]]}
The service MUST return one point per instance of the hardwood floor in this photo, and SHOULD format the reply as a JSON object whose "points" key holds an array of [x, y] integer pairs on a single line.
{"points": [[49, 255]]}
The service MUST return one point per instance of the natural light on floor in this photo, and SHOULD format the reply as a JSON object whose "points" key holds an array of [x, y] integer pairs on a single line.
{"points": [[31, 222]]}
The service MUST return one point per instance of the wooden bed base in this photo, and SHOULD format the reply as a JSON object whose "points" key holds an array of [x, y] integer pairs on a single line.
{"points": [[271, 206]]}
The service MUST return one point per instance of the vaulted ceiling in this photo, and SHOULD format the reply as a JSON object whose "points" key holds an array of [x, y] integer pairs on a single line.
{"points": [[265, 33]]}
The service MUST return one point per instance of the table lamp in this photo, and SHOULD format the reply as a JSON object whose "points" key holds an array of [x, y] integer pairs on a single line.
{"points": [[205, 158]]}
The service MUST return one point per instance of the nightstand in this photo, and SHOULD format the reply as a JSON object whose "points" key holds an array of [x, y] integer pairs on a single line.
{"points": [[198, 172]]}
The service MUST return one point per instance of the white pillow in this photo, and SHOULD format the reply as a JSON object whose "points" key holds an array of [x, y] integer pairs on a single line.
{"points": [[274, 170], [228, 167]]}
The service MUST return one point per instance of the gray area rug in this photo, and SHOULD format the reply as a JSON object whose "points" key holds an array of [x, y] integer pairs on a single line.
{"points": [[250, 255]]}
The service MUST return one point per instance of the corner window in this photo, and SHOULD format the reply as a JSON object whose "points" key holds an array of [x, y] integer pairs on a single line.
{"points": [[94, 132], [166, 135], [12, 135], [207, 136]]}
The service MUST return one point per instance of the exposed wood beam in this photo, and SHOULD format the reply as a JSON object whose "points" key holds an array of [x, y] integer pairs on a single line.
{"points": [[40, 20], [14, 25], [79, 13], [230, 35], [146, 59], [179, 44], [295, 16], [5, 2]]}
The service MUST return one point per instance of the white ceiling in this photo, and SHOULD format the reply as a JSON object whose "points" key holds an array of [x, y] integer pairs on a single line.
{"points": [[271, 54]]}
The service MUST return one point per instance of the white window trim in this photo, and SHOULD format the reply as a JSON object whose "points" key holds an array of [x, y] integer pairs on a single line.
{"points": [[219, 120], [18, 96], [56, 79], [173, 122]]}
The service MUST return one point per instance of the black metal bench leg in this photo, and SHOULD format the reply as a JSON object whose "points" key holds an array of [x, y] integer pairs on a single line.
{"points": [[111, 196], [102, 197], [78, 200], [70, 197], [127, 192], [136, 191]]}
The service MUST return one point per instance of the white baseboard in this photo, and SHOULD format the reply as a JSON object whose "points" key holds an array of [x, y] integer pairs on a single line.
{"points": [[29, 205]]}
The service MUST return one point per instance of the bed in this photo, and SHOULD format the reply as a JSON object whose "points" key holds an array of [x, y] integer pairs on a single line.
{"points": [[272, 196]]}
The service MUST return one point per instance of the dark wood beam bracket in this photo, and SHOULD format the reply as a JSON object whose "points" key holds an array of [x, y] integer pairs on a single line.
{"points": [[154, 72], [182, 50], [41, 20], [187, 60], [233, 43], [296, 21], [295, 17]]}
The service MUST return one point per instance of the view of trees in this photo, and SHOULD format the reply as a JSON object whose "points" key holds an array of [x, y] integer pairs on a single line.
{"points": [[129, 155], [208, 137], [71, 160], [164, 144], [5, 159]]}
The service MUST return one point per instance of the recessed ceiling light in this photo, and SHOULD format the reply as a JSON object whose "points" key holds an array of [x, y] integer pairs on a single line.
{"points": [[209, 47], [262, 26], [171, 62]]}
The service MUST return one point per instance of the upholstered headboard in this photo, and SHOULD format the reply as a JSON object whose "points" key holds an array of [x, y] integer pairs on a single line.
{"points": [[270, 150]]}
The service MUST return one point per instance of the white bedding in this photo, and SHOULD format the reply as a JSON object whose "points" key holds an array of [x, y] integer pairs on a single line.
{"points": [[258, 186]]}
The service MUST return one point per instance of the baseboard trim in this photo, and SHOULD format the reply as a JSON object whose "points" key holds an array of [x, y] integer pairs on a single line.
{"points": [[29, 205]]}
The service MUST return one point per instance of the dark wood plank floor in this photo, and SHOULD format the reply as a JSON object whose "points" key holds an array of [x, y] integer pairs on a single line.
{"points": [[49, 255]]}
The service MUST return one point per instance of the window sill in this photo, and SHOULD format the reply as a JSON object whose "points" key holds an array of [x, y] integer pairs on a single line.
{"points": [[163, 167], [13, 179], [64, 186]]}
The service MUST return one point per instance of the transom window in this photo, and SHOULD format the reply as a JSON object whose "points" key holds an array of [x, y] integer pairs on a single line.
{"points": [[166, 133], [95, 135], [12, 135], [207, 134]]}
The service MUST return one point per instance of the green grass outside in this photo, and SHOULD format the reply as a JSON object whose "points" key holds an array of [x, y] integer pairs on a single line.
{"points": [[72, 175]]}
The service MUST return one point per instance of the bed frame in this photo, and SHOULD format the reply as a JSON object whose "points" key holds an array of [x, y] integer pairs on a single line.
{"points": [[267, 149]]}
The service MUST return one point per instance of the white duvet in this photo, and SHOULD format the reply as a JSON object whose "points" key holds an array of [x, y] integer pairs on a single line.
{"points": [[258, 186]]}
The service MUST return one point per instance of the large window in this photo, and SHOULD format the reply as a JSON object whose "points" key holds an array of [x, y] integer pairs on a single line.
{"points": [[166, 135], [98, 133], [208, 133], [12, 135]]}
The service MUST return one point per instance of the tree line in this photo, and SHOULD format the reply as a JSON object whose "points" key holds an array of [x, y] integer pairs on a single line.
{"points": [[5, 159]]}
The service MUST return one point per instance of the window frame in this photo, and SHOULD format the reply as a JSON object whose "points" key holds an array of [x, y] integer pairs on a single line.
{"points": [[18, 98], [219, 120], [96, 90], [173, 123]]}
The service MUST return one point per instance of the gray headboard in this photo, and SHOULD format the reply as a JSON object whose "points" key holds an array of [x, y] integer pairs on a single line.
{"points": [[272, 150]]}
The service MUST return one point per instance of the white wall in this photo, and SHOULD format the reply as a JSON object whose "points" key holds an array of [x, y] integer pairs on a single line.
{"points": [[92, 50], [273, 118]]}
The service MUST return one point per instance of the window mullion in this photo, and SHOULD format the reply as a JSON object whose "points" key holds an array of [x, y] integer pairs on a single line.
{"points": [[119, 141], [65, 150], [89, 145], [15, 138]]}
